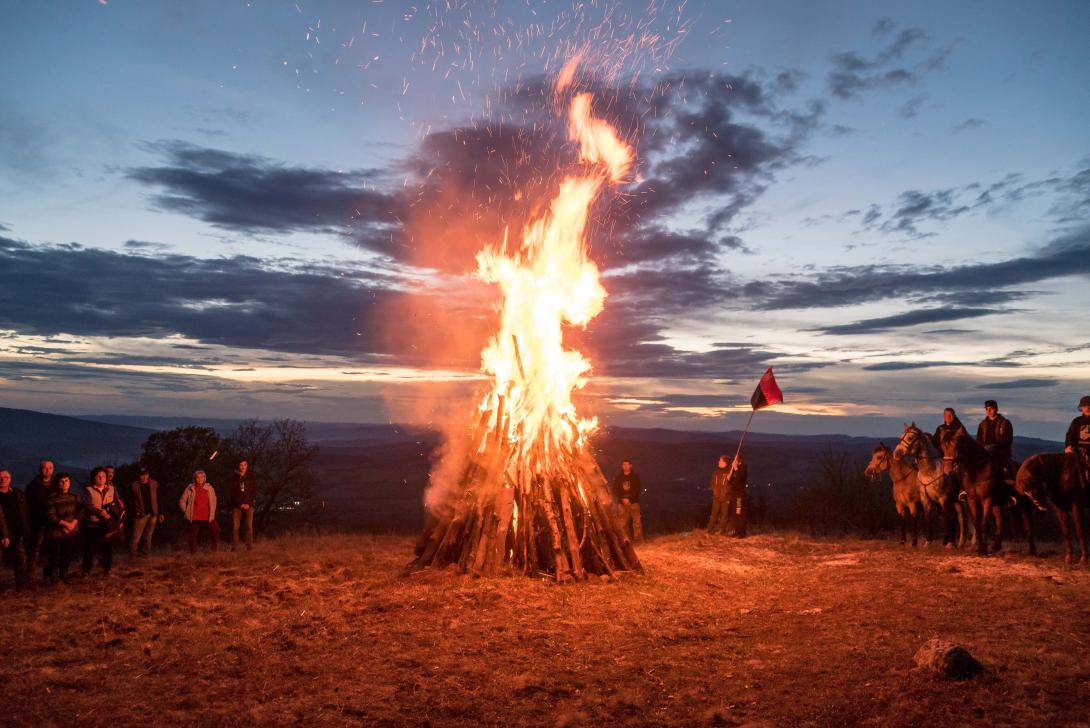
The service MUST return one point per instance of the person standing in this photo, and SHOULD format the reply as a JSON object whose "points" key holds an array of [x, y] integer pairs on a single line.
{"points": [[243, 496], [720, 478], [60, 539], [1077, 440], [198, 503], [626, 492], [144, 501], [737, 487], [102, 508], [14, 527], [37, 493]]}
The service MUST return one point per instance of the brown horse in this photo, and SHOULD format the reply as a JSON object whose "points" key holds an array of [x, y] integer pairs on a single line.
{"points": [[906, 493], [1055, 478], [981, 485], [937, 491]]}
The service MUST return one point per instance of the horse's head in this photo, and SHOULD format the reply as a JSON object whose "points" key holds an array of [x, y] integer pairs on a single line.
{"points": [[911, 444], [879, 461], [953, 446]]}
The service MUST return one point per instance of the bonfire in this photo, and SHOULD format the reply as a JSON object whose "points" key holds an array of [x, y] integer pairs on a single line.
{"points": [[526, 493]]}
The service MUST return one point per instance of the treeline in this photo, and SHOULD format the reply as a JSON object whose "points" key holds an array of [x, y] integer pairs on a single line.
{"points": [[279, 454]]}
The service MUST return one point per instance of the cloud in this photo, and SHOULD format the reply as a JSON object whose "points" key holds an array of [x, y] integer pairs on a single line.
{"points": [[852, 73], [1020, 384], [236, 302], [910, 318], [970, 123], [253, 194], [1067, 255]]}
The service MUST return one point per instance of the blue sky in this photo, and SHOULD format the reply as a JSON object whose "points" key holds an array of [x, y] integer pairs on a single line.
{"points": [[203, 208]]}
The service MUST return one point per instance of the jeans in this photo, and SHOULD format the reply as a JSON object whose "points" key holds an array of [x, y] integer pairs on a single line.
{"points": [[94, 541], [718, 519], [213, 531], [142, 529], [238, 516], [630, 514]]}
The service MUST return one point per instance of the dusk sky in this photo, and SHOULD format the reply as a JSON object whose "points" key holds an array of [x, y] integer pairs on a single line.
{"points": [[233, 209]]}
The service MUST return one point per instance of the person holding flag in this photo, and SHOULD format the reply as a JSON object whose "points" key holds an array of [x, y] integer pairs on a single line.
{"points": [[766, 394]]}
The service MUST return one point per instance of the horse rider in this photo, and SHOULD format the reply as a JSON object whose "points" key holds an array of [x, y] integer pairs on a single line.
{"points": [[996, 434], [1077, 441], [943, 433]]}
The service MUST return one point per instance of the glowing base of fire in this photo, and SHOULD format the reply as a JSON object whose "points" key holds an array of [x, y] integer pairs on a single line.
{"points": [[508, 513]]}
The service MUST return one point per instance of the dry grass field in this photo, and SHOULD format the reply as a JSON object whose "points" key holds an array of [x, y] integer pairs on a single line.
{"points": [[771, 630]]}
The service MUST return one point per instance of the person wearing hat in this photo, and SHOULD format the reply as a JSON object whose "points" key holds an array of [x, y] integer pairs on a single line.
{"points": [[1077, 441], [144, 499], [996, 434]]}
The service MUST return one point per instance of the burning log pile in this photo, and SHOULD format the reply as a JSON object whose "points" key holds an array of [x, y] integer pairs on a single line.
{"points": [[526, 494], [533, 509]]}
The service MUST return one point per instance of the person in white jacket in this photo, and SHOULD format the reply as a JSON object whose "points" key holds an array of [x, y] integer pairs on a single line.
{"points": [[198, 503]]}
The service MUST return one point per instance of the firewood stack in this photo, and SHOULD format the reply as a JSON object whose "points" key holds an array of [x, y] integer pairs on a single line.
{"points": [[540, 508]]}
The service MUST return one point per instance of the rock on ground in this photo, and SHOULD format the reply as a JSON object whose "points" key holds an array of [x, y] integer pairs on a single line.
{"points": [[947, 659]]}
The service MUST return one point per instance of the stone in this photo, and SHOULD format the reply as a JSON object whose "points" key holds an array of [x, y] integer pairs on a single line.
{"points": [[947, 660]]}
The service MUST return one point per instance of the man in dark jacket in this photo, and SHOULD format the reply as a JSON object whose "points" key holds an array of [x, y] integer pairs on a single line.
{"points": [[37, 493], [995, 433], [1077, 441], [720, 481], [144, 505], [242, 489], [626, 493], [737, 507], [14, 526]]}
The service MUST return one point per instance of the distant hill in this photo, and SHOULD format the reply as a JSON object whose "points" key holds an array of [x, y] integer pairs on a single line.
{"points": [[26, 437]]}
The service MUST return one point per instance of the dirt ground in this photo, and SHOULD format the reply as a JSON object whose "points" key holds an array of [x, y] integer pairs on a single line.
{"points": [[770, 630]]}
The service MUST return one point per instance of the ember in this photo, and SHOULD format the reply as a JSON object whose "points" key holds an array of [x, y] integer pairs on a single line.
{"points": [[529, 495]]}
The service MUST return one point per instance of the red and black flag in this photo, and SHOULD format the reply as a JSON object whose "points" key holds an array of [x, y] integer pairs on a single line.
{"points": [[767, 393]]}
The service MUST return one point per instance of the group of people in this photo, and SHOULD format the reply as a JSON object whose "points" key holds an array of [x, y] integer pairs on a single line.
{"points": [[44, 522], [729, 502], [996, 434]]}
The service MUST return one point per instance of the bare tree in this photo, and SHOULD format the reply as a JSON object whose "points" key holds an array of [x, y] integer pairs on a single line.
{"points": [[281, 458]]}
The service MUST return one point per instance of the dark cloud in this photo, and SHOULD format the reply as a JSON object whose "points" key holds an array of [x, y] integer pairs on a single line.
{"points": [[896, 366], [910, 318], [254, 194], [1020, 384], [852, 73], [911, 108], [1068, 255], [970, 123], [234, 302]]}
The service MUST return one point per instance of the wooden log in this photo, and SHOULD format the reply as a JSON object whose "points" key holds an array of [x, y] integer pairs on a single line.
{"points": [[497, 555], [563, 567], [569, 531]]}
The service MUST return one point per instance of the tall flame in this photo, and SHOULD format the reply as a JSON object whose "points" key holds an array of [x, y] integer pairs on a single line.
{"points": [[549, 282]]}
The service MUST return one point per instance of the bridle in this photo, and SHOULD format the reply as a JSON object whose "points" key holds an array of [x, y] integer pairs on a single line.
{"points": [[909, 446]]}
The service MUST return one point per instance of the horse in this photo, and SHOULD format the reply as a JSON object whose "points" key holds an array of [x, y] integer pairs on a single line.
{"points": [[937, 490], [980, 480], [1056, 478], [906, 493]]}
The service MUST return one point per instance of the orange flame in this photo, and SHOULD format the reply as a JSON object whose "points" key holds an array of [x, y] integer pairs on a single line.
{"points": [[549, 282]]}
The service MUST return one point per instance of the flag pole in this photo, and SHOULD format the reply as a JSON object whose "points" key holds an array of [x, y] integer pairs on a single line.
{"points": [[742, 439]]}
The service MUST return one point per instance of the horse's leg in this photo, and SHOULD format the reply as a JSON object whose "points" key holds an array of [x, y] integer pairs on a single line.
{"points": [[961, 513], [904, 526], [997, 511], [1080, 532], [914, 513], [1031, 529], [1061, 516], [977, 516], [928, 512]]}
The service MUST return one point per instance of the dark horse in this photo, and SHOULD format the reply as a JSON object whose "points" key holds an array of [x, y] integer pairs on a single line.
{"points": [[986, 491], [1055, 478]]}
